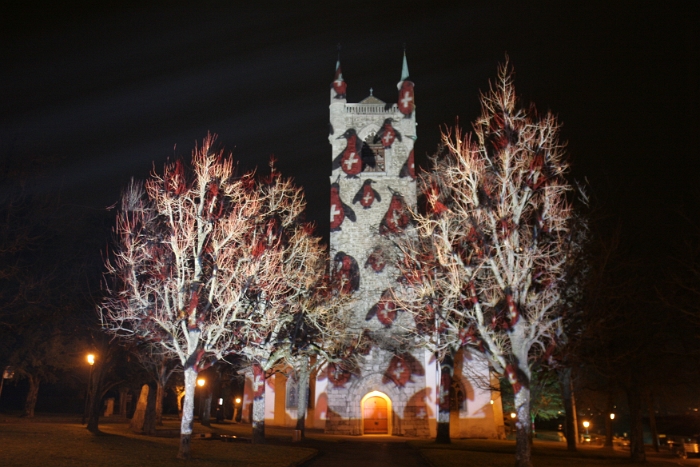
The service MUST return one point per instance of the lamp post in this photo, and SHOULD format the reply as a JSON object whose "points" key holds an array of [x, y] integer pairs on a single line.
{"points": [[237, 410], [91, 360], [609, 433], [586, 424], [201, 382]]}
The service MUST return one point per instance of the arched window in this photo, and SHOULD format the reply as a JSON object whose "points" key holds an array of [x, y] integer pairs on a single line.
{"points": [[378, 151], [457, 396], [292, 393]]}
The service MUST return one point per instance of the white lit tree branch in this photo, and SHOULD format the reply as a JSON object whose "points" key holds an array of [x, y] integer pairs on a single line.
{"points": [[488, 263], [207, 262]]}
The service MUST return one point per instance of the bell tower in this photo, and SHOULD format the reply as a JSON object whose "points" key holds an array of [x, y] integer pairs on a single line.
{"points": [[372, 188]]}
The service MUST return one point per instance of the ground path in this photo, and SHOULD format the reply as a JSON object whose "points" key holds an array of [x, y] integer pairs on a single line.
{"points": [[384, 452]]}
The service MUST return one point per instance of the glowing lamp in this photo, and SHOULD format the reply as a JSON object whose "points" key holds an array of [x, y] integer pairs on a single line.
{"points": [[513, 415], [612, 416], [238, 400], [586, 424], [91, 359], [200, 382]]}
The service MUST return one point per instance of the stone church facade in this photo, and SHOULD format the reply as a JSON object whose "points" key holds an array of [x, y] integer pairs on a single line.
{"points": [[393, 390]]}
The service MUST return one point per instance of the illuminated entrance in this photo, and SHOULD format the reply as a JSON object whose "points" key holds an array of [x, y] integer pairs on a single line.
{"points": [[376, 411]]}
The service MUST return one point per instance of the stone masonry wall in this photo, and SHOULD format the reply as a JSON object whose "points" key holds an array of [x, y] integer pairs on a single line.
{"points": [[359, 239]]}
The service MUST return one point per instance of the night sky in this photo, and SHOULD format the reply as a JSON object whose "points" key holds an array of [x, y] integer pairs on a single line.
{"points": [[107, 90]]}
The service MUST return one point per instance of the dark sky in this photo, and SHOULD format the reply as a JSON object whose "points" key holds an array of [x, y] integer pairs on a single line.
{"points": [[108, 89]]}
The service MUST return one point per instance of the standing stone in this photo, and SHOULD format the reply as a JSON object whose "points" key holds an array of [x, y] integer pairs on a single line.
{"points": [[109, 407], [144, 419]]}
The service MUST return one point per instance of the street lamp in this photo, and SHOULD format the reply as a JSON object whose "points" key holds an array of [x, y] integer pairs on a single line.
{"points": [[237, 410], [586, 424], [612, 416], [201, 382], [91, 361], [8, 373]]}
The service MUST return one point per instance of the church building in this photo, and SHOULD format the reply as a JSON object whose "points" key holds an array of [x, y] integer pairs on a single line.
{"points": [[373, 183]]}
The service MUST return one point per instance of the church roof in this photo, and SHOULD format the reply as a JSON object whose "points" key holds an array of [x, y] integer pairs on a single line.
{"points": [[371, 100]]}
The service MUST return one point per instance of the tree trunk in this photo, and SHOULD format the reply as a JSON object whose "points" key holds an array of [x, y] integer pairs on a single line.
{"points": [[187, 413], [258, 404], [523, 427], [123, 394], [159, 404], [652, 421], [446, 369], [302, 396], [205, 410], [634, 400], [30, 402], [566, 385], [608, 421], [95, 396]]}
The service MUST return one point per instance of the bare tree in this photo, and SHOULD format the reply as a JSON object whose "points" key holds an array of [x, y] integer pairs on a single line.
{"points": [[206, 263], [489, 259]]}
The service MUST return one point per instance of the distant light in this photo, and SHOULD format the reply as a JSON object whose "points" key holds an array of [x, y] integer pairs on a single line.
{"points": [[238, 400], [91, 359], [491, 401], [586, 424], [612, 416], [221, 401], [200, 382], [513, 415]]}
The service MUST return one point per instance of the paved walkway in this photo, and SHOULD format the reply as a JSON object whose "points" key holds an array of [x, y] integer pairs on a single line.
{"points": [[347, 453]]}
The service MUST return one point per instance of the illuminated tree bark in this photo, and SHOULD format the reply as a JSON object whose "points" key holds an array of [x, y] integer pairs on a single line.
{"points": [[303, 396], [207, 263], [488, 264], [187, 420]]}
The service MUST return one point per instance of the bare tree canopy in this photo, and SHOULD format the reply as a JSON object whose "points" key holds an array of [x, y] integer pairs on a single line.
{"points": [[490, 258], [207, 262]]}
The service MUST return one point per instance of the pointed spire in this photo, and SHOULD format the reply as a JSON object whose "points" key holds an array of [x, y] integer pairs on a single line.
{"points": [[337, 64], [404, 69], [339, 85], [406, 101]]}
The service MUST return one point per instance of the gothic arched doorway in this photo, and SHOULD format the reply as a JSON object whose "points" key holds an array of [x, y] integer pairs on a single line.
{"points": [[376, 414]]}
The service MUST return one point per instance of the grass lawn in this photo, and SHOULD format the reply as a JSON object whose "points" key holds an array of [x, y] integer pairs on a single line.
{"points": [[492, 453], [71, 445]]}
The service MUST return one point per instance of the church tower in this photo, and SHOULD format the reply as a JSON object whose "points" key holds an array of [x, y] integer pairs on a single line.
{"points": [[387, 387], [372, 187]]}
